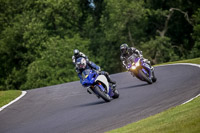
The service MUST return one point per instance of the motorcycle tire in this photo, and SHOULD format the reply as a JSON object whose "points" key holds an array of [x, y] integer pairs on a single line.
{"points": [[145, 77], [102, 94]]}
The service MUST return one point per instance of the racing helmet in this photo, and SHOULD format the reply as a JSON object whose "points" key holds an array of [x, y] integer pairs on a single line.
{"points": [[76, 52], [124, 48], [81, 63]]}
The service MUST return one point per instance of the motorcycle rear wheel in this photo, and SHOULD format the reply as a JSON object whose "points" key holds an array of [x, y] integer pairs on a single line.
{"points": [[154, 77], [116, 94]]}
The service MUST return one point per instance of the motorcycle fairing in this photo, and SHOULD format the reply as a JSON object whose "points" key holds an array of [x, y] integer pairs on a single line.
{"points": [[103, 79]]}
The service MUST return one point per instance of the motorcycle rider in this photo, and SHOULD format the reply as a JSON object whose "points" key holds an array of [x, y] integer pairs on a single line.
{"points": [[82, 64], [78, 54], [127, 51]]}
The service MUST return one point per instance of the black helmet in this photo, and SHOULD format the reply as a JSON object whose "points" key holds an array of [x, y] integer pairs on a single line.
{"points": [[76, 52], [124, 48]]}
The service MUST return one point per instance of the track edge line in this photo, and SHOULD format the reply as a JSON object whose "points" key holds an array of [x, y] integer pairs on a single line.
{"points": [[15, 100], [192, 64]]}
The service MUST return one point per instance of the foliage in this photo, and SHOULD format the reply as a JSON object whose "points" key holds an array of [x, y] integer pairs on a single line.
{"points": [[196, 35], [159, 50], [55, 65], [37, 37]]}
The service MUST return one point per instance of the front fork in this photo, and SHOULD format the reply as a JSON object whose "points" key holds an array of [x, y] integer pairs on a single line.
{"points": [[91, 90], [147, 69]]}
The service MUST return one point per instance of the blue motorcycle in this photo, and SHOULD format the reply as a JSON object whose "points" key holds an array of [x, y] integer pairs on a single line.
{"points": [[140, 69], [99, 85]]}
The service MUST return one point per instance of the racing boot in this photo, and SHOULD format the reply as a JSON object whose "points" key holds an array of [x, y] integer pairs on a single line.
{"points": [[110, 80], [113, 83], [114, 86], [152, 68]]}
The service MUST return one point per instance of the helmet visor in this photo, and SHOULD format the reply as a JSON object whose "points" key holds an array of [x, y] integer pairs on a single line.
{"points": [[81, 66], [123, 50]]}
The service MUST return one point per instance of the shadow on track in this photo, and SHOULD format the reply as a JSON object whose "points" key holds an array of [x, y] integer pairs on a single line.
{"points": [[135, 86], [91, 104]]}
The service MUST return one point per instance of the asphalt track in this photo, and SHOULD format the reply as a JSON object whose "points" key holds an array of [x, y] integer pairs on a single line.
{"points": [[68, 108]]}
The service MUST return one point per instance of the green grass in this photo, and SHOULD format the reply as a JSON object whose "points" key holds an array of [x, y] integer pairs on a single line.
{"points": [[181, 119], [8, 96], [195, 61]]}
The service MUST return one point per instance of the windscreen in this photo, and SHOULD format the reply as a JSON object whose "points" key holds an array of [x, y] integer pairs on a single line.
{"points": [[131, 59], [85, 73]]}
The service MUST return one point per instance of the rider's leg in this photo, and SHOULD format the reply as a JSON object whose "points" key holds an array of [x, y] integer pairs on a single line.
{"points": [[108, 77], [149, 63]]}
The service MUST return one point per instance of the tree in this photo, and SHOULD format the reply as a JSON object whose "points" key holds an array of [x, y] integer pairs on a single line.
{"points": [[31, 30], [196, 35], [159, 50], [55, 65], [121, 22]]}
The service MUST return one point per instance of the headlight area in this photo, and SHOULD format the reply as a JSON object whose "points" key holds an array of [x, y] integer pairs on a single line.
{"points": [[137, 64], [133, 67]]}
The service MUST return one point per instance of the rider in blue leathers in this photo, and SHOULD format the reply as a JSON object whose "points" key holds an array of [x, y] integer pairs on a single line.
{"points": [[83, 64]]}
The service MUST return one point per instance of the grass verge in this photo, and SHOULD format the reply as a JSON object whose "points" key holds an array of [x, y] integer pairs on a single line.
{"points": [[8, 96], [195, 61], [180, 119]]}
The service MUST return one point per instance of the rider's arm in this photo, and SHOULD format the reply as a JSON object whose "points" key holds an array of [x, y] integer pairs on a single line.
{"points": [[123, 61], [94, 66], [73, 60], [83, 55], [134, 50]]}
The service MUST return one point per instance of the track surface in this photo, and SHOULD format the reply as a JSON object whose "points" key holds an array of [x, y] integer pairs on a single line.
{"points": [[68, 108]]}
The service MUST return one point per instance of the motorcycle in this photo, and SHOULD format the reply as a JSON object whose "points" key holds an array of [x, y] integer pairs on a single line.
{"points": [[140, 69], [98, 85]]}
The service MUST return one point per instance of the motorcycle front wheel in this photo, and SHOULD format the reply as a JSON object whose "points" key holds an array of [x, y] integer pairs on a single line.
{"points": [[146, 78], [102, 94]]}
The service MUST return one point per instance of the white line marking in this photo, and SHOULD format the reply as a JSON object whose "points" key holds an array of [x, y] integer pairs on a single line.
{"points": [[23, 94], [191, 99], [185, 64], [197, 65]]}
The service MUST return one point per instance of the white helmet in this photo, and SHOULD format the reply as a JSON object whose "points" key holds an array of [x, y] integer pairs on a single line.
{"points": [[81, 63]]}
